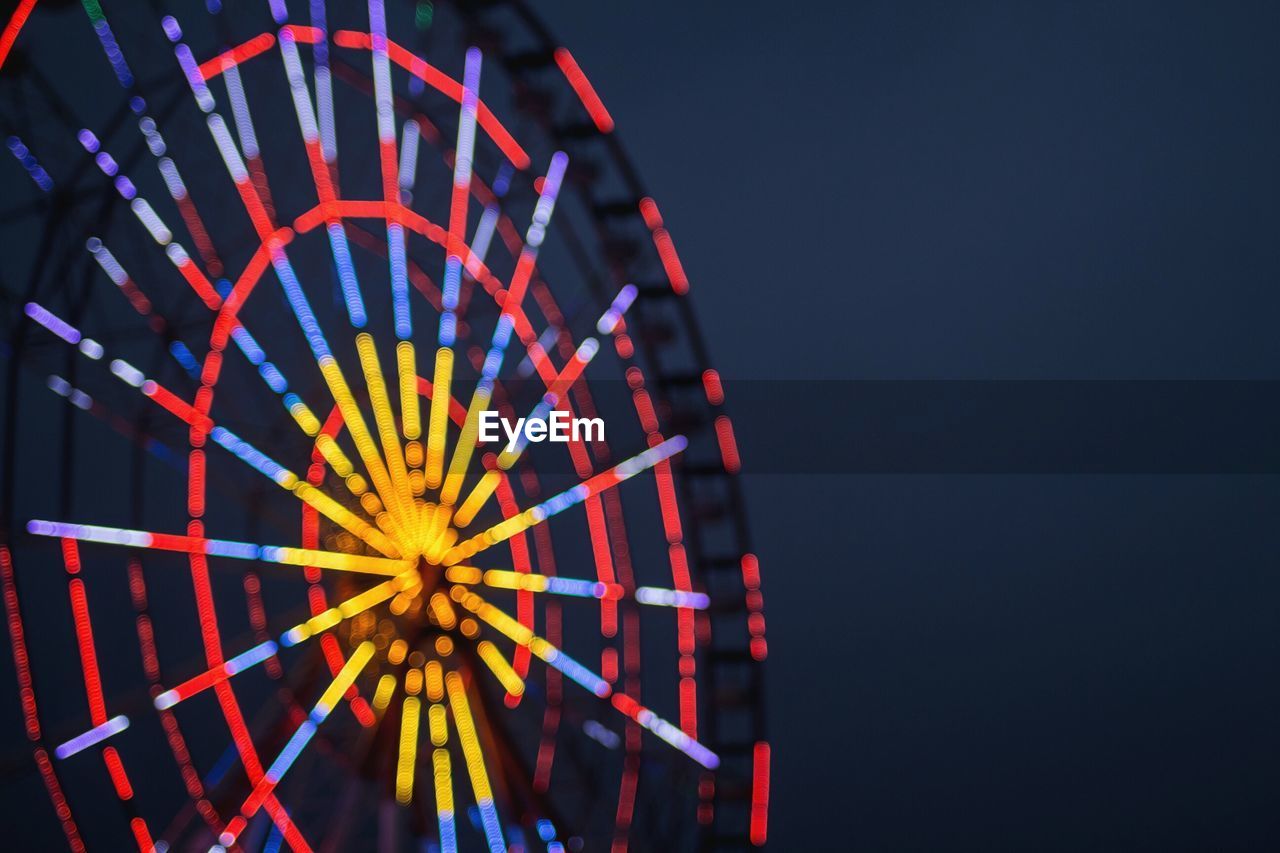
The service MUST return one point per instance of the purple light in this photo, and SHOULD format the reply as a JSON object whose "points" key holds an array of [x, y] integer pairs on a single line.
{"points": [[106, 163], [171, 28], [609, 321], [53, 323], [125, 187], [97, 734]]}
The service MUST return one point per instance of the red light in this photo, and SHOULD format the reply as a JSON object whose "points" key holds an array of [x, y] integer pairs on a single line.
{"points": [[760, 794], [671, 261], [649, 210], [14, 26], [711, 384], [728, 444], [584, 90], [254, 46]]}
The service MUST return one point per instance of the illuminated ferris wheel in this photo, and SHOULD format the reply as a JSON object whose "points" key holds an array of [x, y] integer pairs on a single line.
{"points": [[266, 266]]}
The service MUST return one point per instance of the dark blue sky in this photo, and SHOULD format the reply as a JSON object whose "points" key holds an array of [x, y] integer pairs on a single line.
{"points": [[982, 191]]}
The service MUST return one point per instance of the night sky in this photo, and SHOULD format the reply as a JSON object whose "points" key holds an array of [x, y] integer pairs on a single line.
{"points": [[985, 191]]}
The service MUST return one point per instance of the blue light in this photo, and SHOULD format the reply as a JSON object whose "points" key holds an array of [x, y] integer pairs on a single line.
{"points": [[184, 357], [301, 307], [274, 379], [347, 273], [291, 750], [248, 345], [400, 282], [252, 657]]}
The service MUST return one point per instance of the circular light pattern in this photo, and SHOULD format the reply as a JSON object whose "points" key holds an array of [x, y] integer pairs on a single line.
{"points": [[356, 624]]}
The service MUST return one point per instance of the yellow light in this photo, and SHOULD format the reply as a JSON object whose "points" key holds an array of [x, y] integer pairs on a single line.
{"points": [[436, 725], [401, 602], [500, 668], [353, 606], [435, 680], [479, 495], [515, 580], [385, 419], [344, 517], [463, 449], [444, 781], [444, 646], [408, 749], [397, 651], [407, 362], [347, 675], [413, 454], [493, 616], [438, 426], [305, 417], [467, 735], [337, 460], [356, 426], [339, 562], [470, 629], [464, 574], [382, 693], [369, 503], [413, 682], [442, 544], [443, 611]]}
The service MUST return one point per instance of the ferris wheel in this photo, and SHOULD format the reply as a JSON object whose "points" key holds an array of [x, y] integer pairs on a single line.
{"points": [[267, 266]]}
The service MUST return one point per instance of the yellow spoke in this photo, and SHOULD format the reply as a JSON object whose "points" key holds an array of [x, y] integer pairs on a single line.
{"points": [[438, 426], [506, 675], [407, 365], [465, 447], [474, 757], [359, 603], [408, 749], [354, 420], [385, 420], [345, 518]]}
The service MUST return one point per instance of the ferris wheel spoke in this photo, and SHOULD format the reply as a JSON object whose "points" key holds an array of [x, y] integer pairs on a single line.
{"points": [[496, 661], [384, 420], [406, 762], [297, 742], [271, 375], [314, 136], [474, 757], [338, 387], [539, 513], [387, 158], [576, 588], [459, 199], [268, 371], [298, 302], [228, 440], [502, 332], [488, 482], [283, 555], [441, 766], [299, 633], [546, 652]]}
